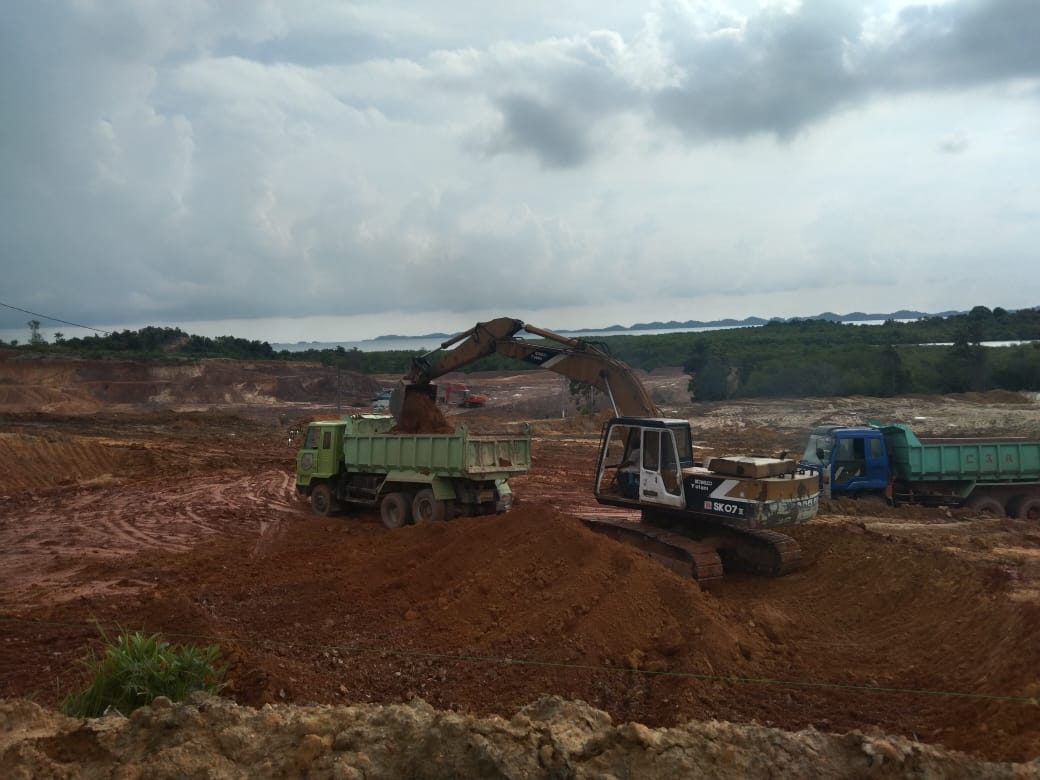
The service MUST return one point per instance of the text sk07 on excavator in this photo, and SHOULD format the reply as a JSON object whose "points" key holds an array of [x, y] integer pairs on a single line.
{"points": [[694, 519]]}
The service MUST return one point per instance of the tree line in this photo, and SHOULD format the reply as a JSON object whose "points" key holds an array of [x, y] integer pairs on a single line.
{"points": [[806, 357]]}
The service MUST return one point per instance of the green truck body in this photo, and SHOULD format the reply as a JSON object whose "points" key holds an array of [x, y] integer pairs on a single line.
{"points": [[410, 476], [981, 460]]}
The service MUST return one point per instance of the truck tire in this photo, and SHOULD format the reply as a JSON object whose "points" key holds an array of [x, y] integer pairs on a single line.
{"points": [[987, 504], [396, 510], [1025, 507], [426, 507], [322, 502]]}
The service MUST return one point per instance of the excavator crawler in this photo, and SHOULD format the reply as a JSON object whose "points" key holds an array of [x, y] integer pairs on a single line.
{"points": [[697, 519]]}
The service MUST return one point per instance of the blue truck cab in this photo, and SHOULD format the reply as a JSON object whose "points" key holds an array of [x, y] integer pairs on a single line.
{"points": [[851, 461]]}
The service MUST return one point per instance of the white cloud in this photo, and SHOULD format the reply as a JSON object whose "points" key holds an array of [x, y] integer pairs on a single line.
{"points": [[203, 161]]}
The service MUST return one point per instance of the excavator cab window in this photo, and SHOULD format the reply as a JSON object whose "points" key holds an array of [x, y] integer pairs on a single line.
{"points": [[651, 450], [621, 462], [683, 444], [670, 469], [659, 460]]}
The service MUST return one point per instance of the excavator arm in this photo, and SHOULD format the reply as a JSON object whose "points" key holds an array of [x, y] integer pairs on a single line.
{"points": [[572, 358]]}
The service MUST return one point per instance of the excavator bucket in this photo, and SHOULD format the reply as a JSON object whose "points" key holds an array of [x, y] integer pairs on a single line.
{"points": [[404, 390]]}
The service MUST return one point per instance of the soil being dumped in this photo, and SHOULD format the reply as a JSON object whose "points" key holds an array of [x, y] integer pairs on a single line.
{"points": [[420, 414]]}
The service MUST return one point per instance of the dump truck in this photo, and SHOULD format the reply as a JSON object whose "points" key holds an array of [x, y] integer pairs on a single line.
{"points": [[1000, 476], [359, 461], [460, 395], [698, 519]]}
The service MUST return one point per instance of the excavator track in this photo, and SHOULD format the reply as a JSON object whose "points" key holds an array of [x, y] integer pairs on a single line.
{"points": [[685, 556], [705, 552], [758, 551]]}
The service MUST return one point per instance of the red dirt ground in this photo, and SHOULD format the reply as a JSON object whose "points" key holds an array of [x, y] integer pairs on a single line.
{"points": [[914, 622]]}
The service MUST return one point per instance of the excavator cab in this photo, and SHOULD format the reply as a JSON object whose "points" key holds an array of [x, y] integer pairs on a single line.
{"points": [[641, 461]]}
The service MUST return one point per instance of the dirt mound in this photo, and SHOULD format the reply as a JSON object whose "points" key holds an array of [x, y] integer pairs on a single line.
{"points": [[549, 738], [532, 584], [60, 459], [539, 580]]}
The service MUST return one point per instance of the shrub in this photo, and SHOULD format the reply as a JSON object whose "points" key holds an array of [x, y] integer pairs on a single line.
{"points": [[136, 668]]}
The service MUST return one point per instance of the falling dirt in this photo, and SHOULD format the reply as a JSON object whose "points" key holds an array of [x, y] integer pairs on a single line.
{"points": [[420, 414], [913, 622]]}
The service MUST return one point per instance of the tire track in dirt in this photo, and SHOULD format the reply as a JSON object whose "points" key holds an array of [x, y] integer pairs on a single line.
{"points": [[113, 523]]}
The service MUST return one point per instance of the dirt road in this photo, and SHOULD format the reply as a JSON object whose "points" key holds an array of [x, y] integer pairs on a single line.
{"points": [[921, 623]]}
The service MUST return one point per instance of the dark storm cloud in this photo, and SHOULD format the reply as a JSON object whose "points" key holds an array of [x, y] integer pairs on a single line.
{"points": [[779, 71], [549, 131], [783, 71], [963, 43], [788, 70]]}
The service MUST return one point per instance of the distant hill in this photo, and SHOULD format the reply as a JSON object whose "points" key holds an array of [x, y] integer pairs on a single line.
{"points": [[640, 327], [856, 316]]}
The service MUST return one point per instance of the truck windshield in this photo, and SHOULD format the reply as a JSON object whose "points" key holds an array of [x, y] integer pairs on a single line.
{"points": [[818, 442]]}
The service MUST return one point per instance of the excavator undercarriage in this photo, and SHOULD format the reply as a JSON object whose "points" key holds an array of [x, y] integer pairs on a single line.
{"points": [[704, 550]]}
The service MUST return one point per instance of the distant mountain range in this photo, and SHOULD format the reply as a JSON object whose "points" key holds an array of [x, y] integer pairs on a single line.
{"points": [[856, 316], [635, 329]]}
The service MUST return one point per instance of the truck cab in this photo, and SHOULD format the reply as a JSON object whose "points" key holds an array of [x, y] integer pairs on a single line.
{"points": [[851, 461]]}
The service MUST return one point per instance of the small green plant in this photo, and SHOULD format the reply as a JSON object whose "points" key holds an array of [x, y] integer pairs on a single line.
{"points": [[135, 668]]}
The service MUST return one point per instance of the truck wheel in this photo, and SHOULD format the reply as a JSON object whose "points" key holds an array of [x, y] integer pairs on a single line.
{"points": [[396, 510], [322, 502], [1025, 508], [426, 507], [987, 504]]}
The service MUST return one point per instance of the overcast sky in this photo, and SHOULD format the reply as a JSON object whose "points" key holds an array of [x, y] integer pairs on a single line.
{"points": [[333, 170]]}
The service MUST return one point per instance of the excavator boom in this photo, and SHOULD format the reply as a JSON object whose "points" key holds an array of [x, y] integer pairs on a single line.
{"points": [[572, 358]]}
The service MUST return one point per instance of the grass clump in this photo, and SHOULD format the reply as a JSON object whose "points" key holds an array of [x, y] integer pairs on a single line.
{"points": [[135, 668]]}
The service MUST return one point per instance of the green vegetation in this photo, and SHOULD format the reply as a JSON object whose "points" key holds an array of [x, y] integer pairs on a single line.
{"points": [[136, 668], [816, 357]]}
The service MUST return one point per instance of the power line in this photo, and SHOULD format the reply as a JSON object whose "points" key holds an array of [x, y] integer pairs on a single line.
{"points": [[502, 661], [54, 319]]}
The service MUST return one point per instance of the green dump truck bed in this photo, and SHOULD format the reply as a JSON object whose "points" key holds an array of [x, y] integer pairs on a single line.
{"points": [[457, 454], [363, 444], [977, 460]]}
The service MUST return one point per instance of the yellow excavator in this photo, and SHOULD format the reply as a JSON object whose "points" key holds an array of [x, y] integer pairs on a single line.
{"points": [[699, 520]]}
